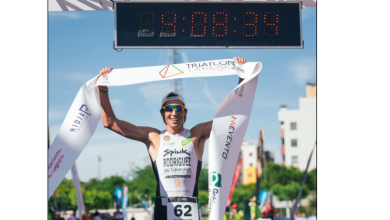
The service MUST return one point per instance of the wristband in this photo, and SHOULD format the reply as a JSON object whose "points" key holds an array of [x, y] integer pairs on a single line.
{"points": [[102, 88], [103, 91]]}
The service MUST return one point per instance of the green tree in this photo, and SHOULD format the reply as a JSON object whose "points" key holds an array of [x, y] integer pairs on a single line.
{"points": [[243, 193], [203, 183], [145, 183], [311, 179], [203, 197], [288, 192], [95, 200]]}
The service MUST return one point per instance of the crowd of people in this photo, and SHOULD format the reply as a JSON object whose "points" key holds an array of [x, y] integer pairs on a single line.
{"points": [[117, 215], [267, 212]]}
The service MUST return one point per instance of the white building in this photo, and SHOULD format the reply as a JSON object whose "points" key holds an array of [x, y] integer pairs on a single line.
{"points": [[248, 170], [298, 131], [249, 157]]}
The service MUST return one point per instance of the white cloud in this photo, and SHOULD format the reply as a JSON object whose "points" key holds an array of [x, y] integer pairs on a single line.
{"points": [[304, 69], [64, 14]]}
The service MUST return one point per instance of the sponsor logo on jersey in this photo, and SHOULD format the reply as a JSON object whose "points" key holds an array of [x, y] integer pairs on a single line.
{"points": [[186, 141], [229, 138], [216, 179], [167, 138], [177, 176], [170, 152], [177, 183]]}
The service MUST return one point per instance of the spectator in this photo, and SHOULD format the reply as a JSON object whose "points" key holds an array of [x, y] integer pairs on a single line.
{"points": [[226, 215], [269, 211], [118, 215], [236, 214], [72, 216], [313, 217], [96, 215], [255, 211]]}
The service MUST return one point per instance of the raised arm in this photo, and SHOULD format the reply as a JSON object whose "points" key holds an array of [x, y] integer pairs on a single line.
{"points": [[240, 61], [123, 128]]}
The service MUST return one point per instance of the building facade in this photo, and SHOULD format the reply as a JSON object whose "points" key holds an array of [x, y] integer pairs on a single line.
{"points": [[248, 170], [298, 131]]}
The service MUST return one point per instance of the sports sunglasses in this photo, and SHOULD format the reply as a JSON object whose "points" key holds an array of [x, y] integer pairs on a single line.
{"points": [[178, 108]]}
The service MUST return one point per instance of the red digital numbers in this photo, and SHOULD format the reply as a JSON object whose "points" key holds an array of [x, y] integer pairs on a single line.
{"points": [[220, 20], [270, 24], [198, 24], [168, 24], [249, 24]]}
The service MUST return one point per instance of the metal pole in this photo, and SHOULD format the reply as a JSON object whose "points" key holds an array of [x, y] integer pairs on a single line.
{"points": [[98, 174], [174, 62]]}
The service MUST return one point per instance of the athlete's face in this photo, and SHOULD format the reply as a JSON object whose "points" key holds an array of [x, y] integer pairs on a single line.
{"points": [[174, 119]]}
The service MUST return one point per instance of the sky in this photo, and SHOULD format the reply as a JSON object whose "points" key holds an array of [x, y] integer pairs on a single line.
{"points": [[81, 43]]}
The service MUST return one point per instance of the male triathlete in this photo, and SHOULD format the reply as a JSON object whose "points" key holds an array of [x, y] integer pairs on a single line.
{"points": [[176, 153]]}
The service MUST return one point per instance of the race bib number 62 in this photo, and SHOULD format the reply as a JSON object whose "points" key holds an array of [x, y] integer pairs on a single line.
{"points": [[182, 208]]}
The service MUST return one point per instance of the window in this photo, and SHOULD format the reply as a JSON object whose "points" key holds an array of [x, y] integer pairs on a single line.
{"points": [[250, 154], [250, 164], [294, 160], [282, 141], [293, 126], [294, 143]]}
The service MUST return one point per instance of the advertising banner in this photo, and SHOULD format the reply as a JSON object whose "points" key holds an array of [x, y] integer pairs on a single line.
{"points": [[235, 178], [79, 195]]}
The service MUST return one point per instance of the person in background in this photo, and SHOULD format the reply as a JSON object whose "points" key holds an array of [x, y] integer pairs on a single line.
{"points": [[255, 211], [85, 216], [268, 211], [72, 216], [312, 217], [206, 210], [118, 215], [236, 214], [96, 215], [226, 215]]}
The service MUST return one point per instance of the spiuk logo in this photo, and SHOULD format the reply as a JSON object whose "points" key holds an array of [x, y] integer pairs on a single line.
{"points": [[170, 70]]}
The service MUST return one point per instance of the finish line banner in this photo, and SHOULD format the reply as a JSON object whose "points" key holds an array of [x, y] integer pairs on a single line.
{"points": [[229, 123]]}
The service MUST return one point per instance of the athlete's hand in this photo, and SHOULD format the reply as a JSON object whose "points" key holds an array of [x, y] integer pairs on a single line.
{"points": [[104, 72], [240, 60]]}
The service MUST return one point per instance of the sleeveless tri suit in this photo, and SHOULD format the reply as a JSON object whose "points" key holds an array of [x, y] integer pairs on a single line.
{"points": [[176, 169]]}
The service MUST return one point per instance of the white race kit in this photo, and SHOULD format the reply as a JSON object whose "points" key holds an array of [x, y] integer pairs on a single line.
{"points": [[229, 123]]}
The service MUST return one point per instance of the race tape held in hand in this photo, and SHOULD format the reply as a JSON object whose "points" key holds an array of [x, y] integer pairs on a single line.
{"points": [[229, 123]]}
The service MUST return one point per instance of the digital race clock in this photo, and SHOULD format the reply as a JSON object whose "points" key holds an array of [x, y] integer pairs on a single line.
{"points": [[208, 24]]}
